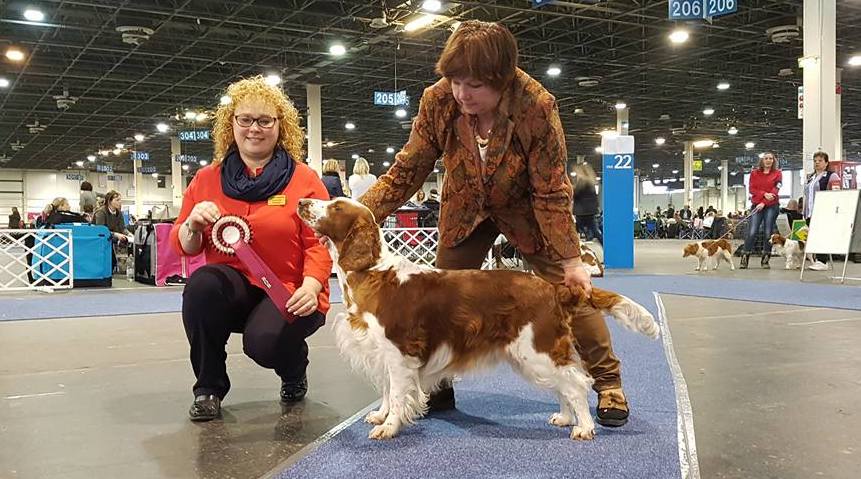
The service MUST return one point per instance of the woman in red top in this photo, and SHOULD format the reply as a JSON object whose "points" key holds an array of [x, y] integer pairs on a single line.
{"points": [[254, 175], [764, 184]]}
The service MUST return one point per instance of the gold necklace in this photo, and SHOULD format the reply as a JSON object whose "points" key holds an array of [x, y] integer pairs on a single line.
{"points": [[482, 142]]}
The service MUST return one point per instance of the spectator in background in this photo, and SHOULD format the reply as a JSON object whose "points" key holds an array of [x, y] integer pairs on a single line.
{"points": [[111, 215], [54, 213], [88, 200], [671, 212], [432, 202], [586, 201], [332, 179], [764, 184], [822, 179], [792, 211], [361, 179], [686, 213], [700, 214], [15, 219]]}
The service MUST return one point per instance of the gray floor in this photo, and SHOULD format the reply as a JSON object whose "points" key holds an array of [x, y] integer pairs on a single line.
{"points": [[107, 396]]}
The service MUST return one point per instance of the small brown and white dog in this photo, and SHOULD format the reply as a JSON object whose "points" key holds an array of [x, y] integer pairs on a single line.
{"points": [[790, 249], [591, 262], [409, 326], [712, 251]]}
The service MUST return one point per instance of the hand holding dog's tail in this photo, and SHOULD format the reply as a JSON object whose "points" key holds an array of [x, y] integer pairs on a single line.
{"points": [[627, 312]]}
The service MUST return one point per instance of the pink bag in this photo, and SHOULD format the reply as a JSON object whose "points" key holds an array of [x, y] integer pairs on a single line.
{"points": [[171, 268]]}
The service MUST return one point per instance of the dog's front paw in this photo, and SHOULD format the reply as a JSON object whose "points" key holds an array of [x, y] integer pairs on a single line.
{"points": [[561, 420], [376, 417], [383, 431], [581, 434]]}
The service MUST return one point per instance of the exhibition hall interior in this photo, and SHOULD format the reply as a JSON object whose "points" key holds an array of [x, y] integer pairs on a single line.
{"points": [[430, 239]]}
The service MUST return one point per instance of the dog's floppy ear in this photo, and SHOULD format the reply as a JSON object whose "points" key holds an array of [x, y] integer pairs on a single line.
{"points": [[361, 248]]}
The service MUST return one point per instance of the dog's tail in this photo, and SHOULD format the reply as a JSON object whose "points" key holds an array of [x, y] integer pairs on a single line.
{"points": [[627, 312]]}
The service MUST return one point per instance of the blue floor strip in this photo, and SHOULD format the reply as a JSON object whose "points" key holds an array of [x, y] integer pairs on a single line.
{"points": [[500, 430]]}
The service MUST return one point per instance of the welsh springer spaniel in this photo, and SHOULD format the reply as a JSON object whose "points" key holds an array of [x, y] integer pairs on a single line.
{"points": [[409, 326], [790, 249], [712, 251]]}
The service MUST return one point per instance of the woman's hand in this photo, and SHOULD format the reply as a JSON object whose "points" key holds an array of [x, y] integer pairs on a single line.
{"points": [[576, 274], [304, 300], [769, 196], [759, 207], [202, 215]]}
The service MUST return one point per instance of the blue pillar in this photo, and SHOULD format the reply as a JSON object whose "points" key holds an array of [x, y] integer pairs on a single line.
{"points": [[617, 186]]}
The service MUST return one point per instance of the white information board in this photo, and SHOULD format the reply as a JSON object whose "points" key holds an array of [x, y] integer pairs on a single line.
{"points": [[833, 224]]}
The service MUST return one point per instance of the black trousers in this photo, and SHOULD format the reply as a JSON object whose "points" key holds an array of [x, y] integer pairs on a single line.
{"points": [[217, 301]]}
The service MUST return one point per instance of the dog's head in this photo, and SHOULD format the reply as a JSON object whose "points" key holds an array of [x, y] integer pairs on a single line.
{"points": [[690, 249], [350, 226], [777, 240]]}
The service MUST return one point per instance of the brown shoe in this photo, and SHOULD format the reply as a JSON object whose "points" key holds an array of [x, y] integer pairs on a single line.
{"points": [[612, 410]]}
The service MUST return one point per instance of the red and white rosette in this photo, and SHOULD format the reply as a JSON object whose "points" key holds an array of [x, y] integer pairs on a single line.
{"points": [[231, 235]]}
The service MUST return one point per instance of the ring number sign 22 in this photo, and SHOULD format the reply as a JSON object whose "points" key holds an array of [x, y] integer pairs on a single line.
{"points": [[622, 162]]}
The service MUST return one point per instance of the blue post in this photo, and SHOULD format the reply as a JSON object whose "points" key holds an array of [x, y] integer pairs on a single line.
{"points": [[617, 186]]}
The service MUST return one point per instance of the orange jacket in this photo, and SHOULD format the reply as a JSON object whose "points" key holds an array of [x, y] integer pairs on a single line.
{"points": [[286, 244], [523, 185]]}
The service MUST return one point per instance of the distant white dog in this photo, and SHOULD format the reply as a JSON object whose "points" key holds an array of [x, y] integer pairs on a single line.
{"points": [[790, 249]]}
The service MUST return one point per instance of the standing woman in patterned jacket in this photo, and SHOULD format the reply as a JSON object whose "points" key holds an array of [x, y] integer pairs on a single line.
{"points": [[764, 184], [503, 146]]}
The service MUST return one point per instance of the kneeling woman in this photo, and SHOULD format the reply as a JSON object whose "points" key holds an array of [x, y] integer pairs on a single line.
{"points": [[255, 174]]}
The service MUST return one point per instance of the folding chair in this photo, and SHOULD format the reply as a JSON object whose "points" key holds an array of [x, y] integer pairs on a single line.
{"points": [[651, 229]]}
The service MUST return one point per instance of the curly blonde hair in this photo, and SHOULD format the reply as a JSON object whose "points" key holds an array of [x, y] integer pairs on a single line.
{"points": [[291, 137]]}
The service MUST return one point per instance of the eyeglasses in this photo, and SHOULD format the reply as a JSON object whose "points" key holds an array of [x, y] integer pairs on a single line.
{"points": [[245, 121]]}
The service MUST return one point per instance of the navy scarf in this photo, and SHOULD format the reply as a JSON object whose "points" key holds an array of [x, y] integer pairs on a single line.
{"points": [[236, 183]]}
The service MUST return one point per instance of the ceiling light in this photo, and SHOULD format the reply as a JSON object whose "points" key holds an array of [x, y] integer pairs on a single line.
{"points": [[14, 54], [431, 5], [554, 71], [720, 167], [120, 146], [189, 115], [330, 144], [679, 36], [201, 116], [354, 156], [660, 141], [337, 49], [708, 160], [703, 143], [854, 61], [733, 173], [350, 125], [162, 127], [578, 111], [104, 152], [79, 163], [91, 158], [34, 15], [400, 113], [598, 149], [155, 175], [732, 130], [808, 62], [761, 155], [723, 85], [749, 145], [715, 145], [675, 172], [224, 100], [117, 151], [202, 162], [139, 138], [708, 111], [621, 105], [420, 22], [4, 83], [272, 79], [390, 150], [436, 170], [656, 165], [185, 167], [370, 150], [386, 164]]}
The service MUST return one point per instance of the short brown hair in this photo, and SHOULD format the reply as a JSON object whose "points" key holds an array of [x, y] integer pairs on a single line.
{"points": [[482, 50], [821, 154]]}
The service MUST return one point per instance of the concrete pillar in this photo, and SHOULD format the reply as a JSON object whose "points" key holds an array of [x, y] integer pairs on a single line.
{"points": [[622, 123], [820, 79], [138, 183], [175, 175], [315, 128], [724, 187], [638, 190], [689, 173]]}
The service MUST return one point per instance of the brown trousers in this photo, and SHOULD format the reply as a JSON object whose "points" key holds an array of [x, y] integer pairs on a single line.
{"points": [[593, 337]]}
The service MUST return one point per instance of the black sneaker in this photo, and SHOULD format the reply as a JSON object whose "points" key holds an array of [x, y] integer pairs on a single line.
{"points": [[294, 391], [612, 410], [205, 407], [441, 400]]}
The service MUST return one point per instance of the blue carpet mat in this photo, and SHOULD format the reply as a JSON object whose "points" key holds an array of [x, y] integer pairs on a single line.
{"points": [[500, 430], [78, 303]]}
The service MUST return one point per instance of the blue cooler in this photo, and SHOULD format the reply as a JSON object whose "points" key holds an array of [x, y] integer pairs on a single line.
{"points": [[91, 254]]}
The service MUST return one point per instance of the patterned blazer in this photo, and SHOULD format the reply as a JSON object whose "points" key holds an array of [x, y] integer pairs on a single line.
{"points": [[522, 186]]}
